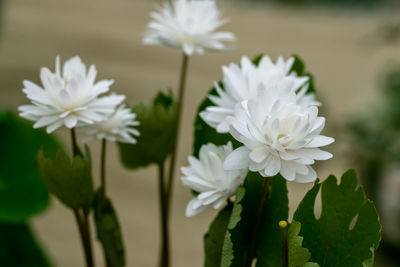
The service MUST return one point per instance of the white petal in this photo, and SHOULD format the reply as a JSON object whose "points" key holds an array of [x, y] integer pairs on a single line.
{"points": [[320, 141], [238, 159], [193, 208]]}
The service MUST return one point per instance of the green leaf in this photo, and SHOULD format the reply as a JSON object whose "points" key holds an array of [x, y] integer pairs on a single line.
{"points": [[297, 255], [109, 231], [157, 130], [242, 222], [71, 182], [276, 209], [330, 239], [22, 191], [300, 68], [18, 247], [214, 238]]}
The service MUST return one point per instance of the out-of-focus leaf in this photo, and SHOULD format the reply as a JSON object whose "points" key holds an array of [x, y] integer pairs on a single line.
{"points": [[71, 182], [214, 238], [18, 247], [22, 191], [109, 231], [330, 239], [157, 130]]}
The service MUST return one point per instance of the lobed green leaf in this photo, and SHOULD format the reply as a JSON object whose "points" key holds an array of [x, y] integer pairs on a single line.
{"points": [[70, 182], [157, 129], [331, 239]]}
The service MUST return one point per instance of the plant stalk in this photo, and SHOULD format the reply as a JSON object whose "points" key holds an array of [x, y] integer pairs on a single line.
{"points": [[254, 237], [181, 95], [103, 172], [81, 216], [283, 225], [74, 143], [164, 259], [85, 236]]}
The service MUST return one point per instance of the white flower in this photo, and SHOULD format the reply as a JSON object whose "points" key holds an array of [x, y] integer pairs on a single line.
{"points": [[188, 24], [207, 176], [117, 127], [69, 98], [241, 82], [278, 135]]}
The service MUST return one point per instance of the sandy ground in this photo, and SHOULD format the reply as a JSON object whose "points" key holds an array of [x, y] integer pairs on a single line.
{"points": [[335, 45]]}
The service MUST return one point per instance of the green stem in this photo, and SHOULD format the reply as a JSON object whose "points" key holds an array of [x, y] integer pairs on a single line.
{"points": [[74, 143], [283, 226], [181, 95], [85, 237], [81, 216], [254, 237], [164, 260], [103, 172]]}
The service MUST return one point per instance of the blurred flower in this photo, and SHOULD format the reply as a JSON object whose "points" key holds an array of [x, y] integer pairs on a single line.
{"points": [[117, 127], [278, 135], [241, 82], [70, 98], [207, 176], [188, 24]]}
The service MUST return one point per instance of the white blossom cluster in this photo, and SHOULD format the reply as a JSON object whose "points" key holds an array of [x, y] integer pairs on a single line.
{"points": [[71, 97], [267, 109]]}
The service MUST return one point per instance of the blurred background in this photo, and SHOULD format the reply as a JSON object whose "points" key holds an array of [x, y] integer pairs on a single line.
{"points": [[351, 46]]}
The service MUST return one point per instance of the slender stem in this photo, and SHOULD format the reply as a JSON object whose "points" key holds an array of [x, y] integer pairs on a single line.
{"points": [[88, 234], [283, 225], [254, 238], [85, 237], [181, 95], [103, 172], [164, 260], [74, 143], [81, 216]]}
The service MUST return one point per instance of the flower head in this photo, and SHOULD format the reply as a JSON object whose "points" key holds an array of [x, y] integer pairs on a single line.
{"points": [[278, 135], [242, 82], [117, 127], [69, 98], [207, 176], [188, 24]]}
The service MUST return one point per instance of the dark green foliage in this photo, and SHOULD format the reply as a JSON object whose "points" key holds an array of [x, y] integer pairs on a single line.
{"points": [[329, 238], [214, 238], [242, 222], [276, 208], [70, 182], [18, 247], [157, 130], [109, 231], [22, 191]]}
